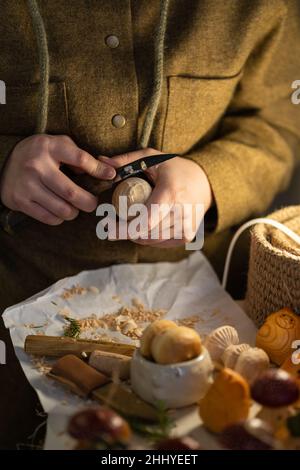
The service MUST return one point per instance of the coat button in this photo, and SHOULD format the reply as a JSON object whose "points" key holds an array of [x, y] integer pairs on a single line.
{"points": [[118, 121], [112, 41]]}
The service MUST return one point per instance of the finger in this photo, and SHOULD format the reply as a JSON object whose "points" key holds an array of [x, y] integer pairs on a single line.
{"points": [[54, 204], [166, 234], [174, 227], [124, 230], [159, 206], [72, 155], [128, 157], [76, 170], [41, 214], [164, 240], [66, 189], [165, 244], [138, 228]]}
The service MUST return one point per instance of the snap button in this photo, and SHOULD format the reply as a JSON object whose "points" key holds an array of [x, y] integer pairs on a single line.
{"points": [[118, 121], [112, 41]]}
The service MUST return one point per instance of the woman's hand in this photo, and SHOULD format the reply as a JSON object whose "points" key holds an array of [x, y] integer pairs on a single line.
{"points": [[33, 183], [180, 182]]}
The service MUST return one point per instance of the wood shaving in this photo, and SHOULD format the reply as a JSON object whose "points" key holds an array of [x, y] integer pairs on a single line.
{"points": [[100, 337], [116, 298], [215, 312], [190, 321], [137, 303], [91, 322], [64, 312], [93, 289], [41, 365], [74, 290]]}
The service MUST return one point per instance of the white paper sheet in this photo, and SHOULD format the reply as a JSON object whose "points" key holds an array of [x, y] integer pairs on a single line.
{"points": [[184, 288]]}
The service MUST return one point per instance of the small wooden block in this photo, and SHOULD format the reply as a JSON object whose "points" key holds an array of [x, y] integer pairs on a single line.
{"points": [[77, 375], [125, 401], [112, 364]]}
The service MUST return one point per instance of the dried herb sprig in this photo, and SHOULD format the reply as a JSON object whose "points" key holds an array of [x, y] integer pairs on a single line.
{"points": [[155, 432], [72, 330]]}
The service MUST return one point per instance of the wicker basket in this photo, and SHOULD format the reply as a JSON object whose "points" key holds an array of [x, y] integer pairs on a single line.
{"points": [[274, 267]]}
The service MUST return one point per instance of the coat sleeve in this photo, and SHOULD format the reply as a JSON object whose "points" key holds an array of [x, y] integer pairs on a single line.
{"points": [[7, 144], [253, 156]]}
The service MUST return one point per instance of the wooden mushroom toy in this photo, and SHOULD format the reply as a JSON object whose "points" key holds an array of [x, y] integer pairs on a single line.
{"points": [[276, 391], [293, 369], [226, 402], [232, 353], [251, 363], [219, 340], [289, 432], [95, 424], [253, 434], [178, 443], [134, 191], [278, 333]]}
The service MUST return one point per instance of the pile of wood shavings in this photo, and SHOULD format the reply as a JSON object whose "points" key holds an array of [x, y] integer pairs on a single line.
{"points": [[128, 320], [78, 290]]}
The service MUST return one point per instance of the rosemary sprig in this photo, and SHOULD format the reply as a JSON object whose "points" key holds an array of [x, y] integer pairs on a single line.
{"points": [[72, 330], [155, 432]]}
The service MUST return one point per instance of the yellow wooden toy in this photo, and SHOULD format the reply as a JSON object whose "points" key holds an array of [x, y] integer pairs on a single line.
{"points": [[277, 334], [226, 402]]}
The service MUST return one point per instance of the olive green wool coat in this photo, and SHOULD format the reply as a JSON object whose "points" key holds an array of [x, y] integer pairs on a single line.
{"points": [[229, 66]]}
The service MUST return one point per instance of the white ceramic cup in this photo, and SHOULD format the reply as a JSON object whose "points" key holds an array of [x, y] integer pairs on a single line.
{"points": [[176, 385]]}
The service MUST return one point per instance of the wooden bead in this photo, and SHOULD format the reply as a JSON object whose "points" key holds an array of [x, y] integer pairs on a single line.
{"points": [[277, 334], [151, 331], [136, 190]]}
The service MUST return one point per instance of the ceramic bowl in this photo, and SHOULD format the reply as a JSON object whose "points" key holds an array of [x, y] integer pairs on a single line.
{"points": [[177, 385]]}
